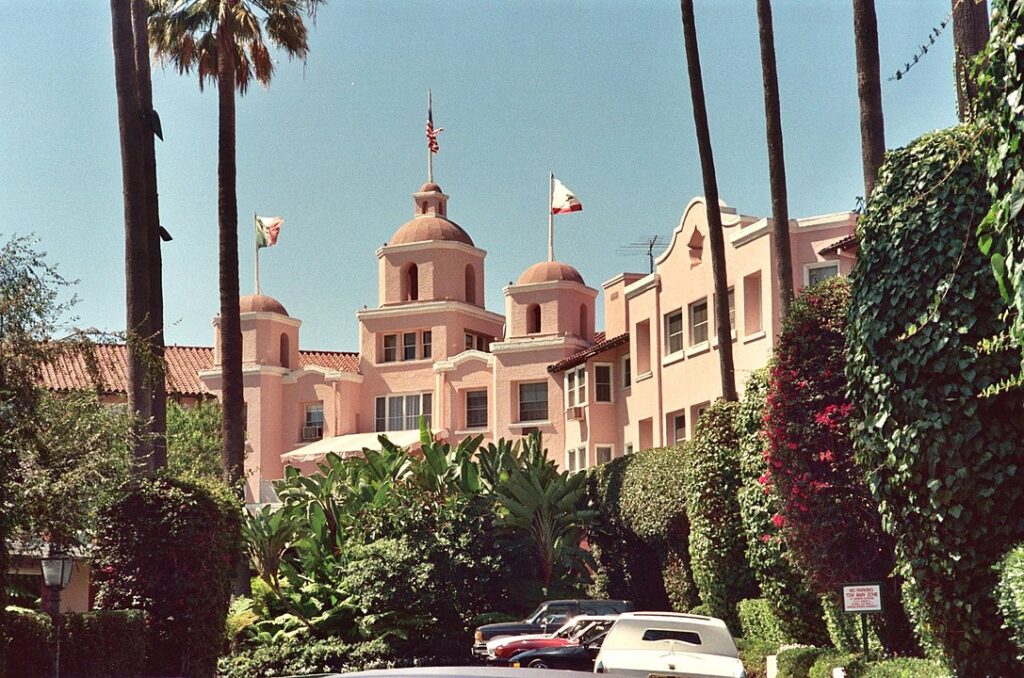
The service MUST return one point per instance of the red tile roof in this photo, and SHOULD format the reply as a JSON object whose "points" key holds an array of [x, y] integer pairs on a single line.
{"points": [[71, 371], [844, 243], [600, 345]]}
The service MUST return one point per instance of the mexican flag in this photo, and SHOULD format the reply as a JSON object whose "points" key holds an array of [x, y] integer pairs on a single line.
{"points": [[267, 230]]}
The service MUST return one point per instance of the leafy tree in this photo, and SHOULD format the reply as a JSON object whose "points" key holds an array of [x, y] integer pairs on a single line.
{"points": [[194, 439]]}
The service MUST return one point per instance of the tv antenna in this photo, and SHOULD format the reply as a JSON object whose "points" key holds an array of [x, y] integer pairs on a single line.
{"points": [[645, 247]]}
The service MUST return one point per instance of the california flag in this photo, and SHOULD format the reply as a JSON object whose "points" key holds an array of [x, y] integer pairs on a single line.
{"points": [[563, 200], [267, 230]]}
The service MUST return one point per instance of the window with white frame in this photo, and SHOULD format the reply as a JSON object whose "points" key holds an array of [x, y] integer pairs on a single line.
{"points": [[674, 332], [629, 449], [570, 460], [425, 340], [402, 412], [409, 346], [699, 322], [576, 386], [752, 304], [731, 299], [476, 409], [603, 454], [581, 459], [313, 422], [390, 345], [602, 383], [627, 372], [533, 401], [815, 273], [678, 427], [470, 342]]}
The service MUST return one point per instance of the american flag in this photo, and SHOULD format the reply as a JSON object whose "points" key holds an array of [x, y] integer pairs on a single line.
{"points": [[431, 132]]}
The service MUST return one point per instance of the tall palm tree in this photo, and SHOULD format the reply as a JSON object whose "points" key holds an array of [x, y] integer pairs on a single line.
{"points": [[869, 91], [776, 157], [970, 33], [717, 238], [228, 42], [130, 113]]}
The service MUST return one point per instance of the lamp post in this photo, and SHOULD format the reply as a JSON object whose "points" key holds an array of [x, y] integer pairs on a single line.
{"points": [[56, 567]]}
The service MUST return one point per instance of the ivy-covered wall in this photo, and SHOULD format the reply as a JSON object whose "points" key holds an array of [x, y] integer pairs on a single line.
{"points": [[945, 462]]}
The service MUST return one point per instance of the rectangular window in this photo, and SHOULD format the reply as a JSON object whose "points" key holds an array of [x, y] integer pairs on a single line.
{"points": [[678, 428], [581, 458], [576, 386], [476, 409], [603, 454], [390, 348], [409, 346], [818, 272], [674, 332], [699, 322], [533, 402], [627, 372], [470, 342], [426, 344], [427, 410], [481, 343], [732, 309], [313, 423], [643, 347], [629, 449], [603, 383], [752, 304], [570, 460], [401, 412]]}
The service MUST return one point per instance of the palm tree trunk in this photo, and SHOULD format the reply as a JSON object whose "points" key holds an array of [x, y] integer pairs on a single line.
{"points": [[970, 33], [140, 400], [233, 428], [869, 90], [776, 157], [717, 238], [155, 337]]}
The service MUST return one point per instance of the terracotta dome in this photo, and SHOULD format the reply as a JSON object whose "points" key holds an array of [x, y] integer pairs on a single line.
{"points": [[260, 303], [430, 187], [430, 227], [550, 271]]}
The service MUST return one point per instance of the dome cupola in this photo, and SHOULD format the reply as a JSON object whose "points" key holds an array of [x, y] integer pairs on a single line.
{"points": [[430, 220], [550, 271]]}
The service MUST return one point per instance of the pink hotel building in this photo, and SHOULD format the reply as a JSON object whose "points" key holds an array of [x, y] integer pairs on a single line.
{"points": [[431, 348]]}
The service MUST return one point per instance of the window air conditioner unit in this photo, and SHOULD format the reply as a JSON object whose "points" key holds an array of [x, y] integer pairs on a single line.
{"points": [[575, 414], [312, 432]]}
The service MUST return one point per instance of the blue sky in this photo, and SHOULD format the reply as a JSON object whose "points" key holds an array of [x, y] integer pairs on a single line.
{"points": [[594, 90]]}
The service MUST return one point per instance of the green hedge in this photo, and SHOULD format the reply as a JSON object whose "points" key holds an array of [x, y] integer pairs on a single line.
{"points": [[30, 647], [169, 546], [717, 544], [641, 543], [103, 643], [945, 460], [1010, 593], [796, 662], [904, 667], [795, 606], [823, 666], [759, 622], [754, 655]]}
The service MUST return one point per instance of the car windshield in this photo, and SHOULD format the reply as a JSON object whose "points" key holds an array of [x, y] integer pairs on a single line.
{"points": [[534, 617], [570, 629], [592, 631]]}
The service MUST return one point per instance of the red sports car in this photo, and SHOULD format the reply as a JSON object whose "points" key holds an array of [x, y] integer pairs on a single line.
{"points": [[569, 634]]}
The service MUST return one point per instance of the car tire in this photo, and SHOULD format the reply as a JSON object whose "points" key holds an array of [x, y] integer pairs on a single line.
{"points": [[538, 664]]}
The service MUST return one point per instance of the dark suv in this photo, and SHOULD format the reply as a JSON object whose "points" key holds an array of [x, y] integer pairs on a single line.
{"points": [[545, 619]]}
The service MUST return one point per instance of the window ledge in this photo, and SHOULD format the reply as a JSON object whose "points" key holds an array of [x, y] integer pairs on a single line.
{"points": [[473, 431], [526, 424], [697, 349], [626, 388], [643, 377], [396, 363], [673, 358], [754, 337]]}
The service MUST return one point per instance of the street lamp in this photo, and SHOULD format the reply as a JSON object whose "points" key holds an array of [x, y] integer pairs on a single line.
{"points": [[56, 567]]}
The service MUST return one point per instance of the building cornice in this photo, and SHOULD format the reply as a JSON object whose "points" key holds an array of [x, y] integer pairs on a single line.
{"points": [[537, 344], [466, 356], [509, 290], [327, 374], [649, 281], [621, 278], [730, 218], [426, 308], [433, 245]]}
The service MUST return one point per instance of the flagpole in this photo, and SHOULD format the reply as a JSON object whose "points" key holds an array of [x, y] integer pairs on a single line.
{"points": [[430, 155], [551, 217], [256, 246]]}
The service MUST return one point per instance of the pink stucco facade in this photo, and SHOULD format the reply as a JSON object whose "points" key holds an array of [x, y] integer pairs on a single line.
{"points": [[431, 348]]}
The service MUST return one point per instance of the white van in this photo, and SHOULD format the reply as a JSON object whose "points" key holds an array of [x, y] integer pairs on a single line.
{"points": [[656, 644]]}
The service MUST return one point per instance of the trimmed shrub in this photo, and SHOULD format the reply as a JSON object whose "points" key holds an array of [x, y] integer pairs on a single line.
{"points": [[30, 648], [717, 544], [822, 668], [796, 662], [641, 543], [754, 655], [759, 623], [702, 610], [168, 547], [830, 521], [103, 643], [945, 461], [1010, 594], [795, 606], [903, 667]]}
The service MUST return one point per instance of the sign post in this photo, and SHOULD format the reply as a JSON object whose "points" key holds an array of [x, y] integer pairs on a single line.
{"points": [[863, 598]]}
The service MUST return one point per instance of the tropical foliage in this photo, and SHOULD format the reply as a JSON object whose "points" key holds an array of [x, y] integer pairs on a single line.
{"points": [[946, 461]]}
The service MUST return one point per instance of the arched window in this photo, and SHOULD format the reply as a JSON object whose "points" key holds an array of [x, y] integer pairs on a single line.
{"points": [[584, 325], [533, 319], [423, 207], [410, 283], [285, 350], [470, 284]]}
